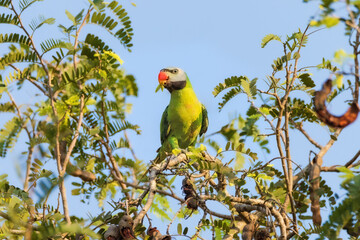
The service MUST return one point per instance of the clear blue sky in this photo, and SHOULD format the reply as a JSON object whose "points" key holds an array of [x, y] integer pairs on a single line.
{"points": [[210, 40]]}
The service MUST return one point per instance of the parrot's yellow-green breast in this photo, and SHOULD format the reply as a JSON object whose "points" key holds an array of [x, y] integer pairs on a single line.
{"points": [[184, 116]]}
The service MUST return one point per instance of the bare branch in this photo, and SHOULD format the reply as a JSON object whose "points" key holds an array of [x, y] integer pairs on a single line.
{"points": [[320, 155], [152, 187], [299, 126]]}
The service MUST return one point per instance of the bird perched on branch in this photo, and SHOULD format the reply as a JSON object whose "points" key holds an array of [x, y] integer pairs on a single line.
{"points": [[185, 118]]}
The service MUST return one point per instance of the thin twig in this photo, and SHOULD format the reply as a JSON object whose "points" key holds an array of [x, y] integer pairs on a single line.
{"points": [[175, 215], [320, 155], [152, 187], [299, 127]]}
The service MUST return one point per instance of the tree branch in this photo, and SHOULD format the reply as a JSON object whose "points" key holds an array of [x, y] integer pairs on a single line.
{"points": [[299, 127]]}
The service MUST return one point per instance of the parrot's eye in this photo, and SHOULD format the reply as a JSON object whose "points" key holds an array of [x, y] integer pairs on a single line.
{"points": [[175, 71]]}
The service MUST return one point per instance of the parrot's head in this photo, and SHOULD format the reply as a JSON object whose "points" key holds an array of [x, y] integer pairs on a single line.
{"points": [[172, 78]]}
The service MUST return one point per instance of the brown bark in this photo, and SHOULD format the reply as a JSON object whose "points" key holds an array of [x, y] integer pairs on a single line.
{"points": [[314, 178]]}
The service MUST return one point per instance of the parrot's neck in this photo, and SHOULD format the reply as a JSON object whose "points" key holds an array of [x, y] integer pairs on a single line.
{"points": [[186, 94]]}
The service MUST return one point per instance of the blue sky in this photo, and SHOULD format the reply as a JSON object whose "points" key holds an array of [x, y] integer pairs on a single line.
{"points": [[210, 40]]}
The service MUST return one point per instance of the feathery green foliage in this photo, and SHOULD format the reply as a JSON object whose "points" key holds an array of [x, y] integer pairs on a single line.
{"points": [[9, 19], [268, 38], [9, 134], [15, 38], [237, 85], [79, 110], [24, 4], [51, 44], [5, 3], [348, 209], [125, 33], [17, 56], [37, 23]]}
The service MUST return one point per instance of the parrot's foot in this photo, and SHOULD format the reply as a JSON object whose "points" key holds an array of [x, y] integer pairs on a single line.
{"points": [[177, 151]]}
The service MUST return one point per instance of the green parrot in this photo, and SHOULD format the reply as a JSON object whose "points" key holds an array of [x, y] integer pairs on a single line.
{"points": [[185, 118]]}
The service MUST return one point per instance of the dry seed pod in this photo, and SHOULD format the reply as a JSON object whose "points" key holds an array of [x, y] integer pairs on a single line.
{"points": [[156, 235], [326, 117], [248, 231], [113, 233], [262, 234], [126, 228], [189, 193]]}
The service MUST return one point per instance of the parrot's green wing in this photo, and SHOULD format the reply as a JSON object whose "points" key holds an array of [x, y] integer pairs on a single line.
{"points": [[205, 120], [164, 126]]}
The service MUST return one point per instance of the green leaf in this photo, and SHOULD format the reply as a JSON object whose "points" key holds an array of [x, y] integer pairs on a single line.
{"points": [[70, 17], [227, 146], [172, 180], [102, 73], [73, 100], [228, 83], [15, 38], [9, 19], [39, 22], [16, 56], [333, 137], [296, 55], [9, 135], [306, 80], [268, 38], [24, 4], [176, 151], [239, 161], [51, 44], [114, 55], [90, 164], [179, 228], [124, 34], [75, 191], [347, 173], [5, 3], [246, 87], [160, 86], [79, 16], [329, 21], [97, 4], [118, 126], [340, 56], [253, 88], [339, 80], [93, 44], [7, 107], [229, 95], [265, 177]]}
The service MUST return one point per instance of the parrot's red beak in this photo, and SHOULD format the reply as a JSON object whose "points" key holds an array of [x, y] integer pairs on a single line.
{"points": [[163, 77]]}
